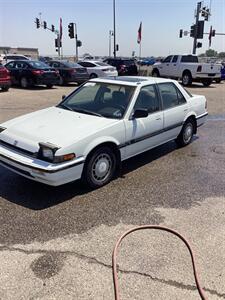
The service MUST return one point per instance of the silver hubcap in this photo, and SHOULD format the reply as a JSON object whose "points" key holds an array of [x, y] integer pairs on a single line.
{"points": [[24, 82], [101, 167], [185, 79], [188, 132]]}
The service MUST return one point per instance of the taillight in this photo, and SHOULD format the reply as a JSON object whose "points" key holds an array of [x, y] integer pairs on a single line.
{"points": [[199, 69], [37, 72], [56, 71]]}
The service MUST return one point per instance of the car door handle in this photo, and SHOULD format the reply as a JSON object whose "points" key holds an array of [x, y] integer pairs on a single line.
{"points": [[185, 109], [158, 118]]}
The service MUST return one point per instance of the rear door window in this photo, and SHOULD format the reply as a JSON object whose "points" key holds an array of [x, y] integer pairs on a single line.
{"points": [[170, 95]]}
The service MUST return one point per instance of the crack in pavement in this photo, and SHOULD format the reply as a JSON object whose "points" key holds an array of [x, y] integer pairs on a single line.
{"points": [[94, 260]]}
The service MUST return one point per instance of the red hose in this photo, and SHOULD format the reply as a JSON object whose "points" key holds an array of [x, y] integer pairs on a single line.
{"points": [[114, 257]]}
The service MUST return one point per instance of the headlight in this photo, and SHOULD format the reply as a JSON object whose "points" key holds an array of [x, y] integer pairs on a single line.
{"points": [[47, 152], [2, 129]]}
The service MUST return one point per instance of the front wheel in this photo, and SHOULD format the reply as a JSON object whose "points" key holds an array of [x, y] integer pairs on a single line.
{"points": [[186, 134], [93, 75], [155, 73], [49, 86], [5, 88], [207, 82], [100, 167]]}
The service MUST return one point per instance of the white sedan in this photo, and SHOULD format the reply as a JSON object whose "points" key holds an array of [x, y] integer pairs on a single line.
{"points": [[97, 126], [97, 68]]}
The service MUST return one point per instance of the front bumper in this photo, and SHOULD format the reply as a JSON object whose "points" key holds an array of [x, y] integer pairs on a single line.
{"points": [[201, 119], [41, 171], [5, 83]]}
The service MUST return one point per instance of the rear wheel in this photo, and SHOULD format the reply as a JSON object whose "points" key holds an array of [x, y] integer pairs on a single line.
{"points": [[186, 134], [207, 82], [5, 88], [218, 80], [49, 86], [24, 83], [100, 167], [187, 79]]}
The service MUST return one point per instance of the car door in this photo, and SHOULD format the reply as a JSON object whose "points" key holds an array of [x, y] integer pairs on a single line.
{"points": [[145, 133], [173, 67], [164, 67], [175, 108], [10, 67]]}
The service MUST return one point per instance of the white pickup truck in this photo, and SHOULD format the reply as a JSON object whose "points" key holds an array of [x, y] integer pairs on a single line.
{"points": [[187, 68]]}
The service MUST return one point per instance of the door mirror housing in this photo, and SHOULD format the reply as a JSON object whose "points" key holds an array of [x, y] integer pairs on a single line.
{"points": [[140, 113], [63, 97]]}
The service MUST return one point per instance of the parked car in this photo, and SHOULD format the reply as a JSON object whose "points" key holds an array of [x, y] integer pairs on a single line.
{"points": [[5, 58], [69, 71], [147, 61], [97, 68], [27, 73], [123, 66], [97, 126], [187, 68], [222, 74], [45, 59], [5, 80]]}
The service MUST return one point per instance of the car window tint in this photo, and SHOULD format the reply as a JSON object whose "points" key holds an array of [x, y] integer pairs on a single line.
{"points": [[174, 60], [10, 65], [148, 99], [189, 59], [167, 59], [169, 95]]}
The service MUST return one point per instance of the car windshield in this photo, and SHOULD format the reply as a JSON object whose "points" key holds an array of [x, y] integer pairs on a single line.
{"points": [[38, 64], [71, 64], [100, 99]]}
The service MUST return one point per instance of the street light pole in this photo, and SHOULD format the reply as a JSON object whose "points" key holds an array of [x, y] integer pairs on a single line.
{"points": [[114, 28], [76, 41], [110, 36]]}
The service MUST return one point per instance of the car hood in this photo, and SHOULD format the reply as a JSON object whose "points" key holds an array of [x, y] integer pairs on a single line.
{"points": [[52, 125]]}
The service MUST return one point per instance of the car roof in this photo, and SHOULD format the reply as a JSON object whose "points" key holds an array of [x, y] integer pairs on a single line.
{"points": [[132, 80]]}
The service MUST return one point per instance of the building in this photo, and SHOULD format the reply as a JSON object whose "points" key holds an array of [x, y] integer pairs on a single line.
{"points": [[29, 52]]}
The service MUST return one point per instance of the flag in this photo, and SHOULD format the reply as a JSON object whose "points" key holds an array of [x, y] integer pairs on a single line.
{"points": [[60, 29], [139, 33], [210, 36]]}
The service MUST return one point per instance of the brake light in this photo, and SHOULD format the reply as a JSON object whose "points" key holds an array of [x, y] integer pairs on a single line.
{"points": [[37, 72], [123, 67], [199, 69]]}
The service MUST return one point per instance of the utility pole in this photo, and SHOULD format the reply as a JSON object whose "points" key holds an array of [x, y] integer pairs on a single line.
{"points": [[196, 27], [76, 41], [114, 28]]}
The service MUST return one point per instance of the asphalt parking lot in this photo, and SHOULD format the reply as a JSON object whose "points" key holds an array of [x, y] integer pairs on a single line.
{"points": [[56, 243]]}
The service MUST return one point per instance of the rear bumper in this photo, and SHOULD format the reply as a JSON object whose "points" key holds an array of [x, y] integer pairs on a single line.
{"points": [[5, 83], [203, 76], [46, 81], [78, 78], [41, 171], [201, 119]]}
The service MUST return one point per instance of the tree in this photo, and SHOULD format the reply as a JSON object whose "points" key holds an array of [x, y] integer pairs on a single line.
{"points": [[221, 54], [202, 55], [211, 53]]}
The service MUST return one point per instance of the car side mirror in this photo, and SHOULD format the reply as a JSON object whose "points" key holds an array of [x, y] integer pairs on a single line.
{"points": [[63, 97], [140, 113]]}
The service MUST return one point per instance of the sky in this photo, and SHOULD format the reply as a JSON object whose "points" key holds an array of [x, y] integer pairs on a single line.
{"points": [[161, 22]]}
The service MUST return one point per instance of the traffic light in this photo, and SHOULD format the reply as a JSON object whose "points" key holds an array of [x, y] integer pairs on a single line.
{"points": [[200, 32], [58, 43], [45, 24], [53, 28], [79, 43], [117, 47], [199, 45], [181, 33], [207, 14], [71, 30], [192, 32], [213, 32], [37, 23]]}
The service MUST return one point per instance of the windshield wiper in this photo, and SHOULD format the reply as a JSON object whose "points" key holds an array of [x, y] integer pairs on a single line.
{"points": [[65, 107], [85, 111]]}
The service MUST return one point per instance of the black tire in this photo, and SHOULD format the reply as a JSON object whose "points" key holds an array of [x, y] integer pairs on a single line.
{"points": [[24, 83], [186, 79], [207, 82], [218, 80], [155, 73], [100, 167], [93, 75], [186, 134], [49, 86], [5, 88]]}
